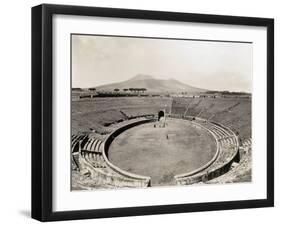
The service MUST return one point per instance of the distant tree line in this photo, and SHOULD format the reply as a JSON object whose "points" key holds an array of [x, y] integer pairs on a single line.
{"points": [[137, 89], [77, 89], [119, 94], [115, 90], [233, 93], [225, 92], [131, 89]]}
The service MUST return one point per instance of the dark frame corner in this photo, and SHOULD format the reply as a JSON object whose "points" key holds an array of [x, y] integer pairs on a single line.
{"points": [[42, 111]]}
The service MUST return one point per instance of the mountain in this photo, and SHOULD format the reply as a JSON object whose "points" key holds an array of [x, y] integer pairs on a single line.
{"points": [[152, 85]]}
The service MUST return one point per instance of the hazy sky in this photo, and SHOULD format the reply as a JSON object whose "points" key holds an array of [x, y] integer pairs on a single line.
{"points": [[98, 60]]}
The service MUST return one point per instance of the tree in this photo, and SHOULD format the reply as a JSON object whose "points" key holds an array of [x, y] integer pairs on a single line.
{"points": [[77, 89]]}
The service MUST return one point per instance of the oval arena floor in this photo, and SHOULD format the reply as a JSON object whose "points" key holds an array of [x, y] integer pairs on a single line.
{"points": [[162, 153]]}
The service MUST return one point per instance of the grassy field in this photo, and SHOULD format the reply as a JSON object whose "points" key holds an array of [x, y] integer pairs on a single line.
{"points": [[161, 153]]}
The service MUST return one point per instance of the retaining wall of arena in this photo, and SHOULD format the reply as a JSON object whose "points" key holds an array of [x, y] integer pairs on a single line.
{"points": [[135, 180], [209, 175]]}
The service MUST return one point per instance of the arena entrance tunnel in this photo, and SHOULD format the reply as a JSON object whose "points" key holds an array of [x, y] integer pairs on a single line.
{"points": [[160, 115]]}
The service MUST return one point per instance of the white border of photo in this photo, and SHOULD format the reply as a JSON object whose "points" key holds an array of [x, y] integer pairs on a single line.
{"points": [[64, 199]]}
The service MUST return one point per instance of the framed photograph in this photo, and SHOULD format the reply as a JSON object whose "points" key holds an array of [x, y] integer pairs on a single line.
{"points": [[140, 112]]}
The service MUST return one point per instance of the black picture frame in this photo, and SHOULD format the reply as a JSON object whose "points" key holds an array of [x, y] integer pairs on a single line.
{"points": [[42, 107]]}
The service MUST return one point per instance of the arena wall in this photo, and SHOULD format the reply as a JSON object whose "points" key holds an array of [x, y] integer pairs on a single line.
{"points": [[136, 180]]}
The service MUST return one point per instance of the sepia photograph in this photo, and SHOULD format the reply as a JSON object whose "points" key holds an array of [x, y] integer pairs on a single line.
{"points": [[140, 112], [149, 112]]}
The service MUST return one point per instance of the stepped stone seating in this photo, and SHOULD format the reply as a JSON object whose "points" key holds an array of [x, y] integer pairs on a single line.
{"points": [[86, 114], [237, 117], [219, 105], [228, 153], [247, 143], [94, 158], [75, 161], [75, 142], [93, 164], [240, 172], [76, 138], [75, 148], [90, 149], [196, 106], [191, 109], [84, 141], [234, 112], [180, 105], [89, 144], [140, 112], [93, 144], [92, 152]]}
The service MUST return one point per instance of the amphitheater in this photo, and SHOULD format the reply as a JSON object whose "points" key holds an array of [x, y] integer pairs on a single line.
{"points": [[121, 142]]}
